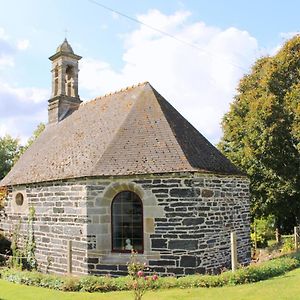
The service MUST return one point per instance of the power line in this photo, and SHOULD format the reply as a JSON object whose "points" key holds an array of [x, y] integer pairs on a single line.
{"points": [[164, 33]]}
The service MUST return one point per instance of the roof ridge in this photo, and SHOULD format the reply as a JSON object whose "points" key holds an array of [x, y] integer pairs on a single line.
{"points": [[130, 87], [115, 136]]}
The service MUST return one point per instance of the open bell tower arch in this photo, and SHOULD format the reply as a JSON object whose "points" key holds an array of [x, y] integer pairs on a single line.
{"points": [[64, 97]]}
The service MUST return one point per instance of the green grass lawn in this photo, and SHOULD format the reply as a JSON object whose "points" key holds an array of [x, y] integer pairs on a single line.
{"points": [[283, 287]]}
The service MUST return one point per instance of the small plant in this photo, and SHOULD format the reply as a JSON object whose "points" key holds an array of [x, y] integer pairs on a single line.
{"points": [[262, 230], [16, 260], [288, 245], [49, 263], [24, 258], [141, 282], [31, 262]]}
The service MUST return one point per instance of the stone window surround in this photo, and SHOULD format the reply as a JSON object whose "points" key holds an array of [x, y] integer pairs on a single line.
{"points": [[151, 211], [17, 208], [19, 199]]}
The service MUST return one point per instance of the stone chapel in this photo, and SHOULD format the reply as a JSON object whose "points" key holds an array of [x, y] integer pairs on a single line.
{"points": [[125, 171]]}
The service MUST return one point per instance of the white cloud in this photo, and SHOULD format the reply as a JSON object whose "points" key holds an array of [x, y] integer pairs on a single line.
{"points": [[288, 35], [199, 81], [23, 44], [6, 51], [21, 109], [284, 36]]}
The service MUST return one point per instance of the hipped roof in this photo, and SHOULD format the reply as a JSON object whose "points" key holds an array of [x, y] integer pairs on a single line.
{"points": [[134, 131]]}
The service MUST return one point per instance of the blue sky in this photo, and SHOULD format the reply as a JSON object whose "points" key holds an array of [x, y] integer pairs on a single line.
{"points": [[117, 52]]}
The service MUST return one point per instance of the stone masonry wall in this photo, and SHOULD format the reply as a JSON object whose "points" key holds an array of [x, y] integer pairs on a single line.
{"points": [[60, 215], [187, 222]]}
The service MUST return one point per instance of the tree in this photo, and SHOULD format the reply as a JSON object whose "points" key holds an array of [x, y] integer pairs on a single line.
{"points": [[261, 134], [9, 150]]}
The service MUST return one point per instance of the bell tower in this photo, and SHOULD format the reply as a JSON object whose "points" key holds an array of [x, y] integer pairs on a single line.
{"points": [[64, 98]]}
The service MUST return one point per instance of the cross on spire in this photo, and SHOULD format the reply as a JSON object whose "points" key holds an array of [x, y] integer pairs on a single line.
{"points": [[66, 32]]}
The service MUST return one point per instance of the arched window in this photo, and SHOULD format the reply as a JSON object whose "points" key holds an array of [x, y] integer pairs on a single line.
{"points": [[127, 223]]}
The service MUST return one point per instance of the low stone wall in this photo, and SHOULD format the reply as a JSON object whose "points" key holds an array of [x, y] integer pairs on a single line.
{"points": [[187, 222]]}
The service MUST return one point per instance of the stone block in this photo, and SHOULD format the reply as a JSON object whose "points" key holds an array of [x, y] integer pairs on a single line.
{"points": [[207, 193], [149, 201], [183, 193], [160, 191], [45, 240], [44, 228], [93, 260], [149, 225], [153, 212], [96, 219], [183, 244], [106, 267], [162, 262], [104, 219], [193, 221], [97, 229], [188, 261], [103, 242], [72, 231], [159, 243], [58, 210], [72, 211]]}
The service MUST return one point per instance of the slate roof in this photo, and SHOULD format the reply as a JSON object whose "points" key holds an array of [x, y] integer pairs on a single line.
{"points": [[133, 131]]}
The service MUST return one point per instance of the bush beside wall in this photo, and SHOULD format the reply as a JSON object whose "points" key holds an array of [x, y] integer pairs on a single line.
{"points": [[252, 273]]}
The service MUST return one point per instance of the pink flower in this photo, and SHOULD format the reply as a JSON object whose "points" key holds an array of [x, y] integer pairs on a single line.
{"points": [[154, 277], [140, 273]]}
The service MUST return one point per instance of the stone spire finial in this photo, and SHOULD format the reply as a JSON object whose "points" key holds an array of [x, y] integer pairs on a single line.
{"points": [[65, 47]]}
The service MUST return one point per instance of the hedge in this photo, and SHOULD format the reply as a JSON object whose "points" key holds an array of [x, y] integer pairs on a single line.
{"points": [[252, 273]]}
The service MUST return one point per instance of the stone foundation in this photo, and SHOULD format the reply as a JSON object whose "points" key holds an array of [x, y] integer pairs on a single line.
{"points": [[187, 222]]}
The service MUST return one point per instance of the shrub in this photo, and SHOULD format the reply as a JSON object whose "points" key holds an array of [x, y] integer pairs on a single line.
{"points": [[263, 229], [97, 284], [71, 284], [252, 273], [288, 244]]}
